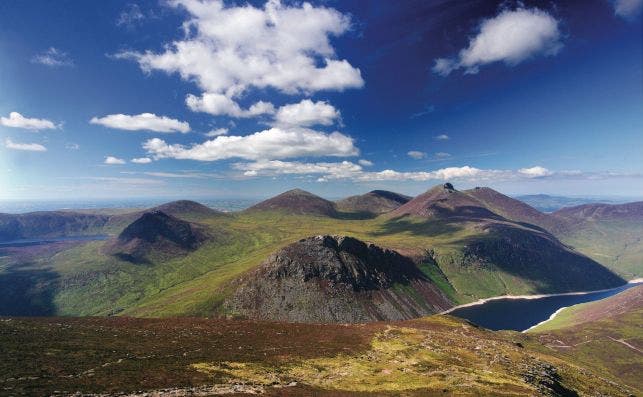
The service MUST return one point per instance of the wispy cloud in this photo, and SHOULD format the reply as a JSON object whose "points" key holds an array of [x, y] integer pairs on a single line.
{"points": [[628, 8], [442, 137], [416, 154], [29, 147], [53, 57]]}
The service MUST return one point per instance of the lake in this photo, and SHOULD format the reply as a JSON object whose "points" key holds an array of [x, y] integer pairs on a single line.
{"points": [[40, 241], [521, 314]]}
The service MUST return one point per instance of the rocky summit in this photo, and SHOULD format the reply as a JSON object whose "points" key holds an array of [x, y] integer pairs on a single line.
{"points": [[335, 279]]}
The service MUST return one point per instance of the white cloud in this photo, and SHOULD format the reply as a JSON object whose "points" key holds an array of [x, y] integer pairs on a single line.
{"points": [[221, 105], [16, 120], [228, 50], [217, 132], [307, 113], [416, 155], [510, 37], [628, 8], [111, 160], [365, 163], [53, 57], [442, 155], [442, 137], [344, 169], [142, 160], [72, 146], [29, 147], [535, 172], [143, 121], [274, 143]]}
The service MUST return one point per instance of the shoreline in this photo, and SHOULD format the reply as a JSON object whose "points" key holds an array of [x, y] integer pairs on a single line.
{"points": [[538, 296], [553, 316]]}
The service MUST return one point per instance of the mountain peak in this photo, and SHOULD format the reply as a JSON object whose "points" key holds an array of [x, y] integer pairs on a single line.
{"points": [[154, 233], [297, 201], [375, 202]]}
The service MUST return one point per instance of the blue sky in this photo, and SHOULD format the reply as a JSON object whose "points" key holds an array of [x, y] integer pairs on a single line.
{"points": [[193, 99]]}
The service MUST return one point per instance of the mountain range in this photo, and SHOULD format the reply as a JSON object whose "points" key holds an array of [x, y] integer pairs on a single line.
{"points": [[463, 246]]}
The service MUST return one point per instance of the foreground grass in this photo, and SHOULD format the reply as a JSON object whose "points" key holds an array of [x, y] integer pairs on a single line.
{"points": [[433, 355]]}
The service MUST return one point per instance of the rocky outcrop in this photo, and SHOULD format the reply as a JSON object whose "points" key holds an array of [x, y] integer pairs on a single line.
{"points": [[335, 279]]}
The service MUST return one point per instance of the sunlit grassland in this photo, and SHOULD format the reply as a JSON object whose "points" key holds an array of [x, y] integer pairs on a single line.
{"points": [[618, 245]]}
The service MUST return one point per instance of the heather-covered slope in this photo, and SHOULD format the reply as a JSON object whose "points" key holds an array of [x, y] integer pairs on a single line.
{"points": [[297, 201], [372, 203], [335, 279], [438, 355]]}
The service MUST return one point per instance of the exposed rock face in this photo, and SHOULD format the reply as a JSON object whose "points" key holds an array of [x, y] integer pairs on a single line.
{"points": [[157, 233], [335, 279], [297, 201], [375, 202]]}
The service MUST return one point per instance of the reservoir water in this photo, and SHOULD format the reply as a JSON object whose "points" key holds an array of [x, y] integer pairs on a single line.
{"points": [[521, 314]]}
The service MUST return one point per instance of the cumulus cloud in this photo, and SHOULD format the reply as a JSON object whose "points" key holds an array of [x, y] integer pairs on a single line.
{"points": [[510, 37], [143, 121], [442, 137], [111, 160], [216, 132], [628, 8], [221, 105], [29, 147], [230, 49], [307, 113], [53, 57], [416, 155], [365, 163], [274, 143], [142, 160], [535, 172], [16, 120]]}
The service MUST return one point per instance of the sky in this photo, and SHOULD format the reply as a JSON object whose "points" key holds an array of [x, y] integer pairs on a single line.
{"points": [[209, 98]]}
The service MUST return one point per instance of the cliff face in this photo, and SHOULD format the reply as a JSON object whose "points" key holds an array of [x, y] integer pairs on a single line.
{"points": [[335, 279]]}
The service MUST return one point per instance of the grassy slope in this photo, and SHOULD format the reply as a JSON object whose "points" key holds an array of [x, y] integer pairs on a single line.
{"points": [[604, 335], [97, 284], [434, 355], [618, 245]]}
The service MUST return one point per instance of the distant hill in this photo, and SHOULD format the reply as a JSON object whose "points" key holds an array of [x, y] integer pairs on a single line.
{"points": [[602, 212], [603, 334], [444, 201], [547, 203], [335, 279], [158, 234], [375, 202], [48, 224], [299, 202]]}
